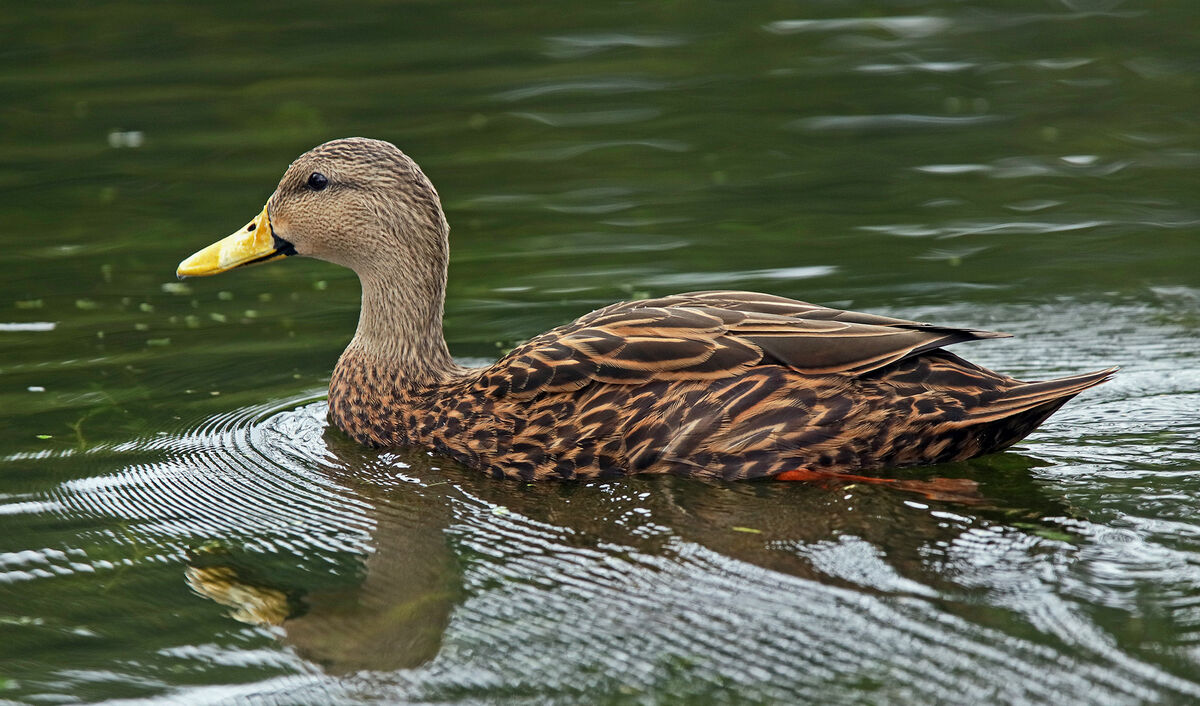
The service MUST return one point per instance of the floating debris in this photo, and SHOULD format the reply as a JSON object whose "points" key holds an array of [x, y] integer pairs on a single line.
{"points": [[118, 139], [176, 288]]}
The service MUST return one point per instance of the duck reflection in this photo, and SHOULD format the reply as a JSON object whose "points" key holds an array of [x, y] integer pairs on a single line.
{"points": [[397, 606], [394, 613]]}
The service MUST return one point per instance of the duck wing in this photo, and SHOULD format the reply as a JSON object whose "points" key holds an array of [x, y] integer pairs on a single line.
{"points": [[709, 336]]}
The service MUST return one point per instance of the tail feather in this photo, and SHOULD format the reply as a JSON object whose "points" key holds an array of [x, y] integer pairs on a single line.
{"points": [[1030, 395], [1014, 416]]}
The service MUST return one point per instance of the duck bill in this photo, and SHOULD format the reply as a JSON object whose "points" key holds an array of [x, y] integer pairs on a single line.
{"points": [[253, 243]]}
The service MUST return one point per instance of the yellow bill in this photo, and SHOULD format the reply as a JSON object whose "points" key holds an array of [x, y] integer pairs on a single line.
{"points": [[250, 245]]}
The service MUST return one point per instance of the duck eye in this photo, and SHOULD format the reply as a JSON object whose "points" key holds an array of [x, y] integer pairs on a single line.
{"points": [[317, 181]]}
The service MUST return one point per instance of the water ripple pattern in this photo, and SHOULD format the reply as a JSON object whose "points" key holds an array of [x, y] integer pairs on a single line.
{"points": [[652, 586]]}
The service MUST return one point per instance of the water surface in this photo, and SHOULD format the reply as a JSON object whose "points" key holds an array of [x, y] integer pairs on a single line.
{"points": [[177, 519]]}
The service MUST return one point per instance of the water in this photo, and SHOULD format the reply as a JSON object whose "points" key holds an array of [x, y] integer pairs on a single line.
{"points": [[177, 521]]}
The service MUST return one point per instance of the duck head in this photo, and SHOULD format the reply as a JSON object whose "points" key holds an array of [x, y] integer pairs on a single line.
{"points": [[355, 202]]}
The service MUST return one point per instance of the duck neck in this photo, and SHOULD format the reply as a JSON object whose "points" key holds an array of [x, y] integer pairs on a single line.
{"points": [[400, 326]]}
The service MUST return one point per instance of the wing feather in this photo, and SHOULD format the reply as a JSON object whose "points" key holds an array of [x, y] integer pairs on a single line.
{"points": [[713, 335]]}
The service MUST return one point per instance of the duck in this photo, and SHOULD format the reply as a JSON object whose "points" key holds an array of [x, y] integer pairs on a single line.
{"points": [[719, 385]]}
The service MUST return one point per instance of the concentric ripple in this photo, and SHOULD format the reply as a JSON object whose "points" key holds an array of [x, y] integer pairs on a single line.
{"points": [[227, 476]]}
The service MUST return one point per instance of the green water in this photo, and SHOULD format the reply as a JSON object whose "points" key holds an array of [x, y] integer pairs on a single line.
{"points": [[177, 521]]}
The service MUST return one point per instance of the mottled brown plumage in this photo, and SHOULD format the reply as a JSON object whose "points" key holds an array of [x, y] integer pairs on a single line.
{"points": [[728, 385]]}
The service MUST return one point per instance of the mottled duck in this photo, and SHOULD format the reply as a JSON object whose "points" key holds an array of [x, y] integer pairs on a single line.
{"points": [[718, 384]]}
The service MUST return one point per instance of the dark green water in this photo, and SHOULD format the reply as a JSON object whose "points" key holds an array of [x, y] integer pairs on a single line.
{"points": [[169, 491]]}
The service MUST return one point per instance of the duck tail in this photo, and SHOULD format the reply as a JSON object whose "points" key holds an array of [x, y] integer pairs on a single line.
{"points": [[1023, 407]]}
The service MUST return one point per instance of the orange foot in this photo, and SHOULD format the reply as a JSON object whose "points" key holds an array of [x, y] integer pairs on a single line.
{"points": [[958, 490]]}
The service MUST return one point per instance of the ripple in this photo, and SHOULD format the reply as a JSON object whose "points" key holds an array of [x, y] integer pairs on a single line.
{"points": [[592, 118], [701, 279], [561, 152], [908, 27], [236, 474], [917, 66], [888, 123], [601, 200], [580, 45], [595, 86], [981, 227], [1026, 167], [27, 326]]}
